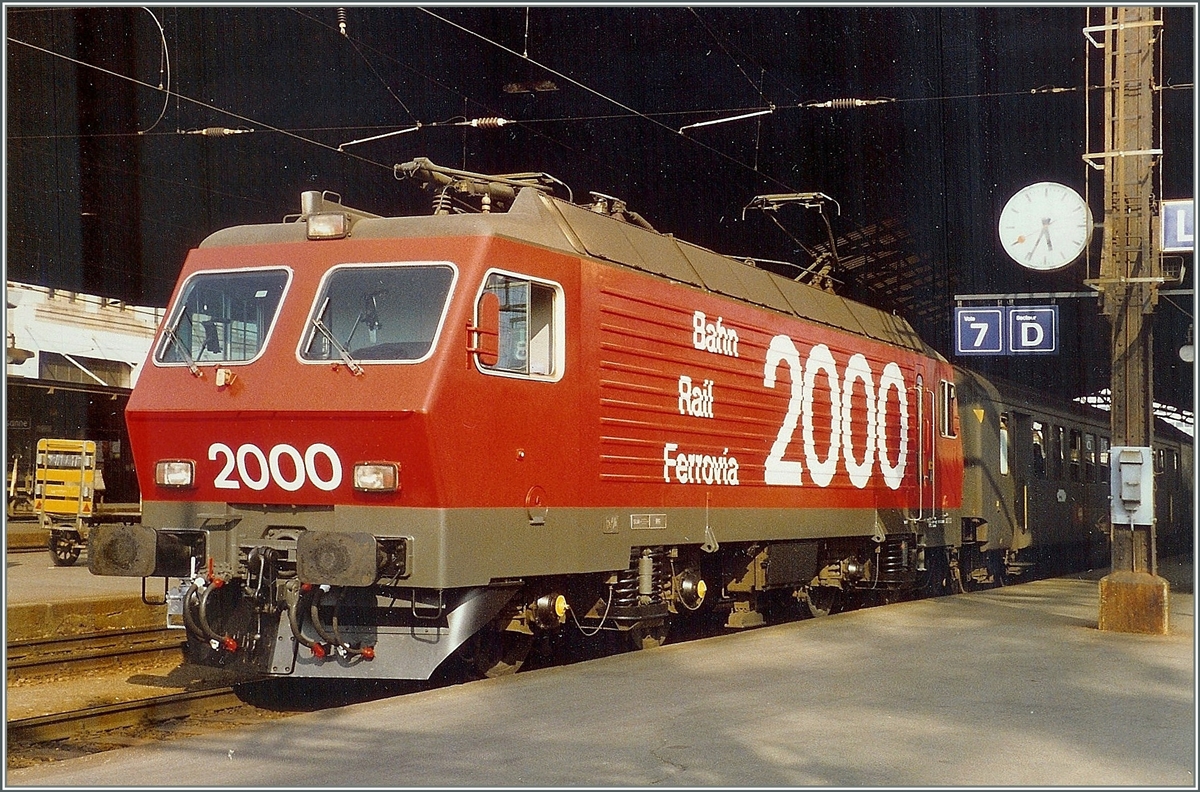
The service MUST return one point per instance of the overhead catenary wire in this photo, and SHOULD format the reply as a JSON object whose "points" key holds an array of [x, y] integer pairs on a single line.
{"points": [[489, 122], [164, 68], [607, 98], [745, 113], [566, 145], [758, 87], [197, 102]]}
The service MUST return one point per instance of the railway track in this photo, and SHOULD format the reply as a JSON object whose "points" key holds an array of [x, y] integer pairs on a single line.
{"points": [[47, 662], [108, 717], [31, 659]]}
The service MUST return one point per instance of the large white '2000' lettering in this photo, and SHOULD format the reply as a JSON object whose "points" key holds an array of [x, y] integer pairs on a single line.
{"points": [[256, 469], [820, 365]]}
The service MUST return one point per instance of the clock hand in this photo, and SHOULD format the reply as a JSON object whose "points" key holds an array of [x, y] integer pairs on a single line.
{"points": [[1036, 242], [1046, 230]]}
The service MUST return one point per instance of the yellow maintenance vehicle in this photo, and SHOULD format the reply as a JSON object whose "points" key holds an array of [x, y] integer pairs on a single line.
{"points": [[65, 487]]}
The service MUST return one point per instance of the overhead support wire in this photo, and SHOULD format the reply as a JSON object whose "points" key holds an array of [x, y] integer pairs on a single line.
{"points": [[164, 70], [381, 137], [492, 122], [177, 95], [742, 117]]}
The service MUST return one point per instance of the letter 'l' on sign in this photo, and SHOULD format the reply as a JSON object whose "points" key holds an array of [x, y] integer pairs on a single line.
{"points": [[1179, 226]]}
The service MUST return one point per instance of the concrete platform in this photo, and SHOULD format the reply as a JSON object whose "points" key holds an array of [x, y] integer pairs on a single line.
{"points": [[45, 600], [25, 535], [1014, 686]]}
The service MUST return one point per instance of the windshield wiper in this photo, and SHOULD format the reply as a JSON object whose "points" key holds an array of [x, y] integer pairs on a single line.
{"points": [[184, 353], [350, 362]]}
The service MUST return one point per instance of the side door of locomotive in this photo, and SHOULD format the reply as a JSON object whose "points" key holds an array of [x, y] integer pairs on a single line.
{"points": [[518, 337], [925, 396]]}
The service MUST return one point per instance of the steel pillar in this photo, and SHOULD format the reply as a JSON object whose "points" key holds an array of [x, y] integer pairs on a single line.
{"points": [[1132, 597]]}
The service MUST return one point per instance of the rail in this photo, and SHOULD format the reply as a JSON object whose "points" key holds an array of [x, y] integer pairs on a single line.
{"points": [[105, 717], [34, 658]]}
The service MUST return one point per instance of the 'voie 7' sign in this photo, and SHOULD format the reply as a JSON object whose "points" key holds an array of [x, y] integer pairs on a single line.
{"points": [[1006, 330]]}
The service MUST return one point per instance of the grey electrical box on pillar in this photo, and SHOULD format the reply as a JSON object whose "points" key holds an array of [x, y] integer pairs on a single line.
{"points": [[1132, 485]]}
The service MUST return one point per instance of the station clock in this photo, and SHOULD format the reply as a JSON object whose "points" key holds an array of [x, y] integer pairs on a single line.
{"points": [[1045, 226]]}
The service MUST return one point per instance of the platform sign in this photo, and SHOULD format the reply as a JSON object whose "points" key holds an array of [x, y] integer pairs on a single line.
{"points": [[979, 331], [1179, 226], [1006, 330], [1032, 330]]}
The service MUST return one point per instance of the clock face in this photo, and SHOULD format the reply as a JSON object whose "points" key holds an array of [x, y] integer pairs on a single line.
{"points": [[1045, 226]]}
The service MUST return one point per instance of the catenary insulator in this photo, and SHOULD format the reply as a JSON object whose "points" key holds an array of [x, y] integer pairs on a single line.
{"points": [[491, 122]]}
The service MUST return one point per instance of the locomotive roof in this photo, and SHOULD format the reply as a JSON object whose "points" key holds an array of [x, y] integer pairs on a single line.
{"points": [[538, 219]]}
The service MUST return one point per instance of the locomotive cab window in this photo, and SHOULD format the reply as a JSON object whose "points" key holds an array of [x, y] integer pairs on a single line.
{"points": [[222, 317], [378, 313], [520, 322], [949, 407]]}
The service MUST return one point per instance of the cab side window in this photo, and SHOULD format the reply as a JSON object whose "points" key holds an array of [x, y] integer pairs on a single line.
{"points": [[949, 407], [530, 336]]}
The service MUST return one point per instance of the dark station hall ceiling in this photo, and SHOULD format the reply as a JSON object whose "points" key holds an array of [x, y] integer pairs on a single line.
{"points": [[110, 178]]}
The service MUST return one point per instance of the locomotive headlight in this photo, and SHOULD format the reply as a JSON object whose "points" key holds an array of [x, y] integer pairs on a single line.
{"points": [[327, 226], [376, 476], [175, 473]]}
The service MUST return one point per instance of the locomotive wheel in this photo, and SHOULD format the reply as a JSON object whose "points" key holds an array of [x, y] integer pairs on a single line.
{"points": [[648, 636], [824, 600], [500, 652], [64, 550]]}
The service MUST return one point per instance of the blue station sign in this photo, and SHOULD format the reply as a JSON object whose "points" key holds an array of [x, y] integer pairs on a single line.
{"points": [[979, 331], [1006, 330], [1179, 226]]}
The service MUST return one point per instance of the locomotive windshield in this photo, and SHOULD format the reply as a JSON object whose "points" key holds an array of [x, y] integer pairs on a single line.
{"points": [[378, 312], [222, 317]]}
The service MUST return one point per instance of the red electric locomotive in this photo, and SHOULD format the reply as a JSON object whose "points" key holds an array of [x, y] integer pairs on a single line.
{"points": [[365, 443]]}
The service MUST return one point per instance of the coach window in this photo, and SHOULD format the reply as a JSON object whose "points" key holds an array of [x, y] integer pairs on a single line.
{"points": [[949, 410], [1038, 450], [531, 333], [1104, 459], [1057, 441], [1004, 449], [1089, 457], [1076, 443]]}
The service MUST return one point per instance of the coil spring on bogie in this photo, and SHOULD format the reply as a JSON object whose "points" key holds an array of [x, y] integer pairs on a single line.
{"points": [[646, 582], [625, 592], [891, 559]]}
